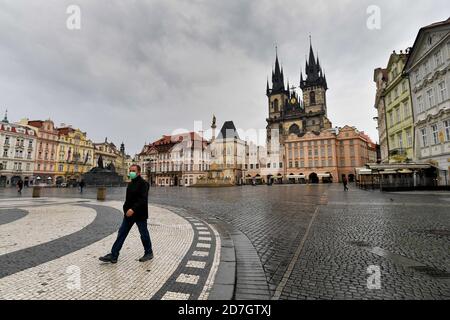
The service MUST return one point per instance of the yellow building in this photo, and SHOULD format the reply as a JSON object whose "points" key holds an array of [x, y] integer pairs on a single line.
{"points": [[75, 155], [399, 117]]}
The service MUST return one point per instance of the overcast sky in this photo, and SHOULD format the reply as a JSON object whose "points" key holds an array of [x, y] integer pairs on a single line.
{"points": [[139, 69]]}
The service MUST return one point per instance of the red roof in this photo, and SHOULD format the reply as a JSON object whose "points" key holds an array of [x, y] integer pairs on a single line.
{"points": [[36, 123], [167, 140]]}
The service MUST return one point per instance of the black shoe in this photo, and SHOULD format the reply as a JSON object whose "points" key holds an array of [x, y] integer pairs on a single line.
{"points": [[108, 258], [146, 257]]}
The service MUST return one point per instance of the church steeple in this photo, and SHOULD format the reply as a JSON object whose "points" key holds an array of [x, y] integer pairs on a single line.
{"points": [[277, 77], [5, 119], [313, 70]]}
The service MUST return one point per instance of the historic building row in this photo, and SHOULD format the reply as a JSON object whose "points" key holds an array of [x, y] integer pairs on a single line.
{"points": [[38, 152], [413, 103]]}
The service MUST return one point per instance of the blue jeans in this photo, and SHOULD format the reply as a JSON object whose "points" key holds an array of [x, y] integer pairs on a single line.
{"points": [[125, 228]]}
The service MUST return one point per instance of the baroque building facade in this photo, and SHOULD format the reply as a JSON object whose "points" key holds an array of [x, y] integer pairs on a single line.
{"points": [[17, 153], [111, 155], [398, 111], [75, 155], [428, 68], [46, 152], [175, 160]]}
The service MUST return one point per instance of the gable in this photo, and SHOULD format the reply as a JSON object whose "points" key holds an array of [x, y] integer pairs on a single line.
{"points": [[426, 40]]}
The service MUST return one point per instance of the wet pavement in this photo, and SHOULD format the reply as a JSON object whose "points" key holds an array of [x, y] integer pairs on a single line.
{"points": [[318, 242]]}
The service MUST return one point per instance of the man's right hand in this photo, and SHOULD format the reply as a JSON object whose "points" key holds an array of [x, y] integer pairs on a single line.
{"points": [[130, 213]]}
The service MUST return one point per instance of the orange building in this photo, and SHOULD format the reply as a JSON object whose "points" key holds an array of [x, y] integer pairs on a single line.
{"points": [[46, 152], [326, 156]]}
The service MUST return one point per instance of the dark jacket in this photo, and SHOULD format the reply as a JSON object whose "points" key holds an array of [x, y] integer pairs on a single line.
{"points": [[137, 198]]}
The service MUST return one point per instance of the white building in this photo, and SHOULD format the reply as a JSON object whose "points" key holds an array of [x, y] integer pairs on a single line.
{"points": [[177, 160], [17, 153], [256, 158], [428, 68]]}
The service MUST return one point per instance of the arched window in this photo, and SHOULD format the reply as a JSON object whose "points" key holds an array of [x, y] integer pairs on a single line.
{"points": [[294, 129], [275, 105], [312, 97]]}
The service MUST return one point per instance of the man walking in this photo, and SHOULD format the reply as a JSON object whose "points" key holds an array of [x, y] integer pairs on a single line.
{"points": [[19, 186], [135, 209], [345, 183], [82, 185]]}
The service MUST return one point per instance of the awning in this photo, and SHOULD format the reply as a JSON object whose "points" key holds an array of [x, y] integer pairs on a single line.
{"points": [[405, 171], [364, 172], [389, 171], [324, 175], [297, 177], [398, 166]]}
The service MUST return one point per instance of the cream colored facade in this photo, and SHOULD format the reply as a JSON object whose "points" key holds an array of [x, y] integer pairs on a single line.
{"points": [[75, 155], [255, 161], [178, 160], [228, 155], [17, 153]]}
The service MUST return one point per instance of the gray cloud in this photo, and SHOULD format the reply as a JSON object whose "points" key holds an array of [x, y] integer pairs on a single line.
{"points": [[140, 69]]}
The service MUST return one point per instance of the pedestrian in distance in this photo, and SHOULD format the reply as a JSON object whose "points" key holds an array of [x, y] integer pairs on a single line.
{"points": [[19, 186], [135, 211], [345, 183], [82, 185]]}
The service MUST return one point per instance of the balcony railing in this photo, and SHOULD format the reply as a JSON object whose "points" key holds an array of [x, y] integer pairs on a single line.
{"points": [[398, 152]]}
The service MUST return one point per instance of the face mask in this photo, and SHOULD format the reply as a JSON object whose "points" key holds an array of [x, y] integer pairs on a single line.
{"points": [[132, 175]]}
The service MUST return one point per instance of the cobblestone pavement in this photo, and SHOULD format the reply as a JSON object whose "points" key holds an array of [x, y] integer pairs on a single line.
{"points": [[318, 242], [49, 249]]}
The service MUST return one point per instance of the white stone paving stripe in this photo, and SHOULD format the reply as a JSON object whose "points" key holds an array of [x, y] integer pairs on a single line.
{"points": [[203, 245], [204, 233], [188, 278], [204, 239], [196, 264], [213, 271], [200, 253], [175, 296]]}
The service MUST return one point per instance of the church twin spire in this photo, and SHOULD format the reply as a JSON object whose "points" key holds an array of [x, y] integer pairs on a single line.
{"points": [[313, 72], [277, 78]]}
